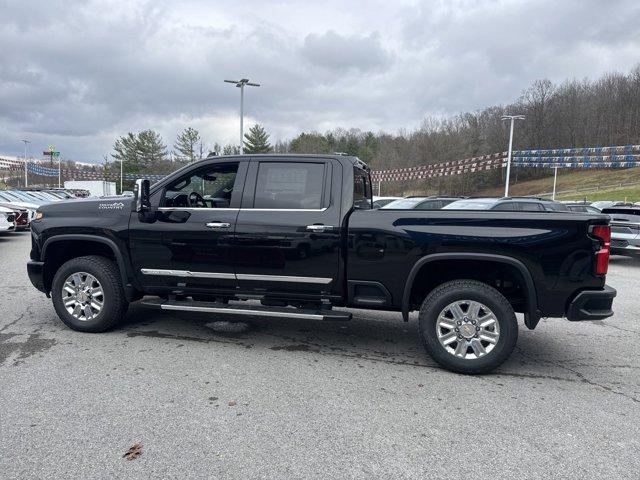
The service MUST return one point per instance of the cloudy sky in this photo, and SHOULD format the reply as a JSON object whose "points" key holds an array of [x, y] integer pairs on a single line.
{"points": [[78, 74]]}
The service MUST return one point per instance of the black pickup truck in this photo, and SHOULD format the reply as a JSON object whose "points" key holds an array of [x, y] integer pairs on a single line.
{"points": [[295, 236]]}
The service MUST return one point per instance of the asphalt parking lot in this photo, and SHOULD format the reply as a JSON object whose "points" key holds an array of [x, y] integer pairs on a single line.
{"points": [[287, 399]]}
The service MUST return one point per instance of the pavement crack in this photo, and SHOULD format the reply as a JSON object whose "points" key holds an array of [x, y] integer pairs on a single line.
{"points": [[12, 323], [579, 376]]}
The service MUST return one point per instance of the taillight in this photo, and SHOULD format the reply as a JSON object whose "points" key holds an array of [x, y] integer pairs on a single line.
{"points": [[602, 233]]}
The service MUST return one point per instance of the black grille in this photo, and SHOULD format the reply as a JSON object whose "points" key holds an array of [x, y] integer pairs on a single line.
{"points": [[619, 243]]}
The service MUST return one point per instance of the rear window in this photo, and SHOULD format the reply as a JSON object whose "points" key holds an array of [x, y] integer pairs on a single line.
{"points": [[469, 205], [623, 214], [404, 203], [624, 211], [529, 207]]}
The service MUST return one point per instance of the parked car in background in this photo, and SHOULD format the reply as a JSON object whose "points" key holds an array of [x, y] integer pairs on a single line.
{"points": [[10, 202], [602, 204], [61, 194], [7, 220], [41, 194], [20, 195], [379, 202], [420, 203], [581, 207], [22, 215], [27, 202], [625, 230], [518, 204]]}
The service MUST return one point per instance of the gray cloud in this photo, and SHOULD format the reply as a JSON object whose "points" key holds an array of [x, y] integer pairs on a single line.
{"points": [[80, 73], [339, 53]]}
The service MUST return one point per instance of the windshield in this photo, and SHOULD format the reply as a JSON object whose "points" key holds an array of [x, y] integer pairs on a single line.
{"points": [[470, 205], [404, 203]]}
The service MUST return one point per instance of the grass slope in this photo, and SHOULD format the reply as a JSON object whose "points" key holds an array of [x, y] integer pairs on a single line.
{"points": [[610, 179]]}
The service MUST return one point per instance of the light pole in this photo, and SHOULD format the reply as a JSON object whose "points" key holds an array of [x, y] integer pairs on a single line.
{"points": [[512, 118], [121, 174], [25, 162], [240, 84]]}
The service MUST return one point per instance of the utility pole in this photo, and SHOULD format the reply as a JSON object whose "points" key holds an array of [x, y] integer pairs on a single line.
{"points": [[25, 162], [512, 118], [241, 84]]}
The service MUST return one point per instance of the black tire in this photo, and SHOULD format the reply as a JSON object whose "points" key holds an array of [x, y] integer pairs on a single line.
{"points": [[114, 305], [458, 290]]}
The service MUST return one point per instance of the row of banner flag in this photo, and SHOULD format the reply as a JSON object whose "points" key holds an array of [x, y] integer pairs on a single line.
{"points": [[623, 156]]}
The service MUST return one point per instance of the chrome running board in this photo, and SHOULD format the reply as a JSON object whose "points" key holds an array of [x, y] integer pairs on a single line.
{"points": [[247, 310]]}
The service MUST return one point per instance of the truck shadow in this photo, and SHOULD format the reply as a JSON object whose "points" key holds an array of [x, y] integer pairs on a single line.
{"points": [[368, 337]]}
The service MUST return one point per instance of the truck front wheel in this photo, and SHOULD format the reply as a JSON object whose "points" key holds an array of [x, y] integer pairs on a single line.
{"points": [[88, 295], [468, 326]]}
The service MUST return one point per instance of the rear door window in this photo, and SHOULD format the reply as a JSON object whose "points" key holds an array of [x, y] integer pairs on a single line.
{"points": [[288, 185]]}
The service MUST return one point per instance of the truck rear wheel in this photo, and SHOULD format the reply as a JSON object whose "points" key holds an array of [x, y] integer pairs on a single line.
{"points": [[468, 326], [88, 295]]}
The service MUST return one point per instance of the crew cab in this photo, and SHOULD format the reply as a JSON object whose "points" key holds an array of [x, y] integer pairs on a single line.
{"points": [[296, 236]]}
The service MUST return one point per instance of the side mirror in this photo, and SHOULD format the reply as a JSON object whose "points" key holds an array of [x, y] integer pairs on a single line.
{"points": [[141, 195]]}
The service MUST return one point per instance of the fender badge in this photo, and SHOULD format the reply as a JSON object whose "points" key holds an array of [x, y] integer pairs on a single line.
{"points": [[111, 206]]}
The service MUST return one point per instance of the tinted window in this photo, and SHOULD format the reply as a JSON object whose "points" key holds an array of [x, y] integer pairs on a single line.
{"points": [[577, 208], [382, 203], [430, 205], [506, 206], [529, 207], [403, 203], [289, 185], [470, 205], [628, 211]]}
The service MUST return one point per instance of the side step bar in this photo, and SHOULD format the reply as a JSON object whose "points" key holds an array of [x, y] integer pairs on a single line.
{"points": [[213, 307]]}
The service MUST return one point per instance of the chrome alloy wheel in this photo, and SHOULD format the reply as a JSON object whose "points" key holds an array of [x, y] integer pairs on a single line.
{"points": [[467, 329], [82, 296]]}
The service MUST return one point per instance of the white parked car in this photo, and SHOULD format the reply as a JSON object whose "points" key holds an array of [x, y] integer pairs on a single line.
{"points": [[379, 202], [10, 199], [7, 220]]}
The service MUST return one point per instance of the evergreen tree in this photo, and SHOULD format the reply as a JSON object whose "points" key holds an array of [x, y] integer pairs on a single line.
{"points": [[140, 152], [310, 143], [126, 149], [257, 140], [151, 149], [187, 144], [230, 150]]}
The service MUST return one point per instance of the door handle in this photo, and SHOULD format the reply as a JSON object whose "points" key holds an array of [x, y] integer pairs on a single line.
{"points": [[319, 228], [218, 225]]}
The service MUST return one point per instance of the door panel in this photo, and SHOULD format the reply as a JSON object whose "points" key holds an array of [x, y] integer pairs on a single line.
{"points": [[289, 250], [189, 247]]}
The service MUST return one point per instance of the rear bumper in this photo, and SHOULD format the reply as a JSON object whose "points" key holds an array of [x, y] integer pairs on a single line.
{"points": [[592, 304], [35, 271]]}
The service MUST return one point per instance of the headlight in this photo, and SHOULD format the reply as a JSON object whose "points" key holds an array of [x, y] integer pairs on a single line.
{"points": [[38, 215]]}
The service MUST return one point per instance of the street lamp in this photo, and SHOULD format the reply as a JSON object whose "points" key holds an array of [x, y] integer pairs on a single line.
{"points": [[512, 118], [241, 84], [121, 160], [25, 161]]}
